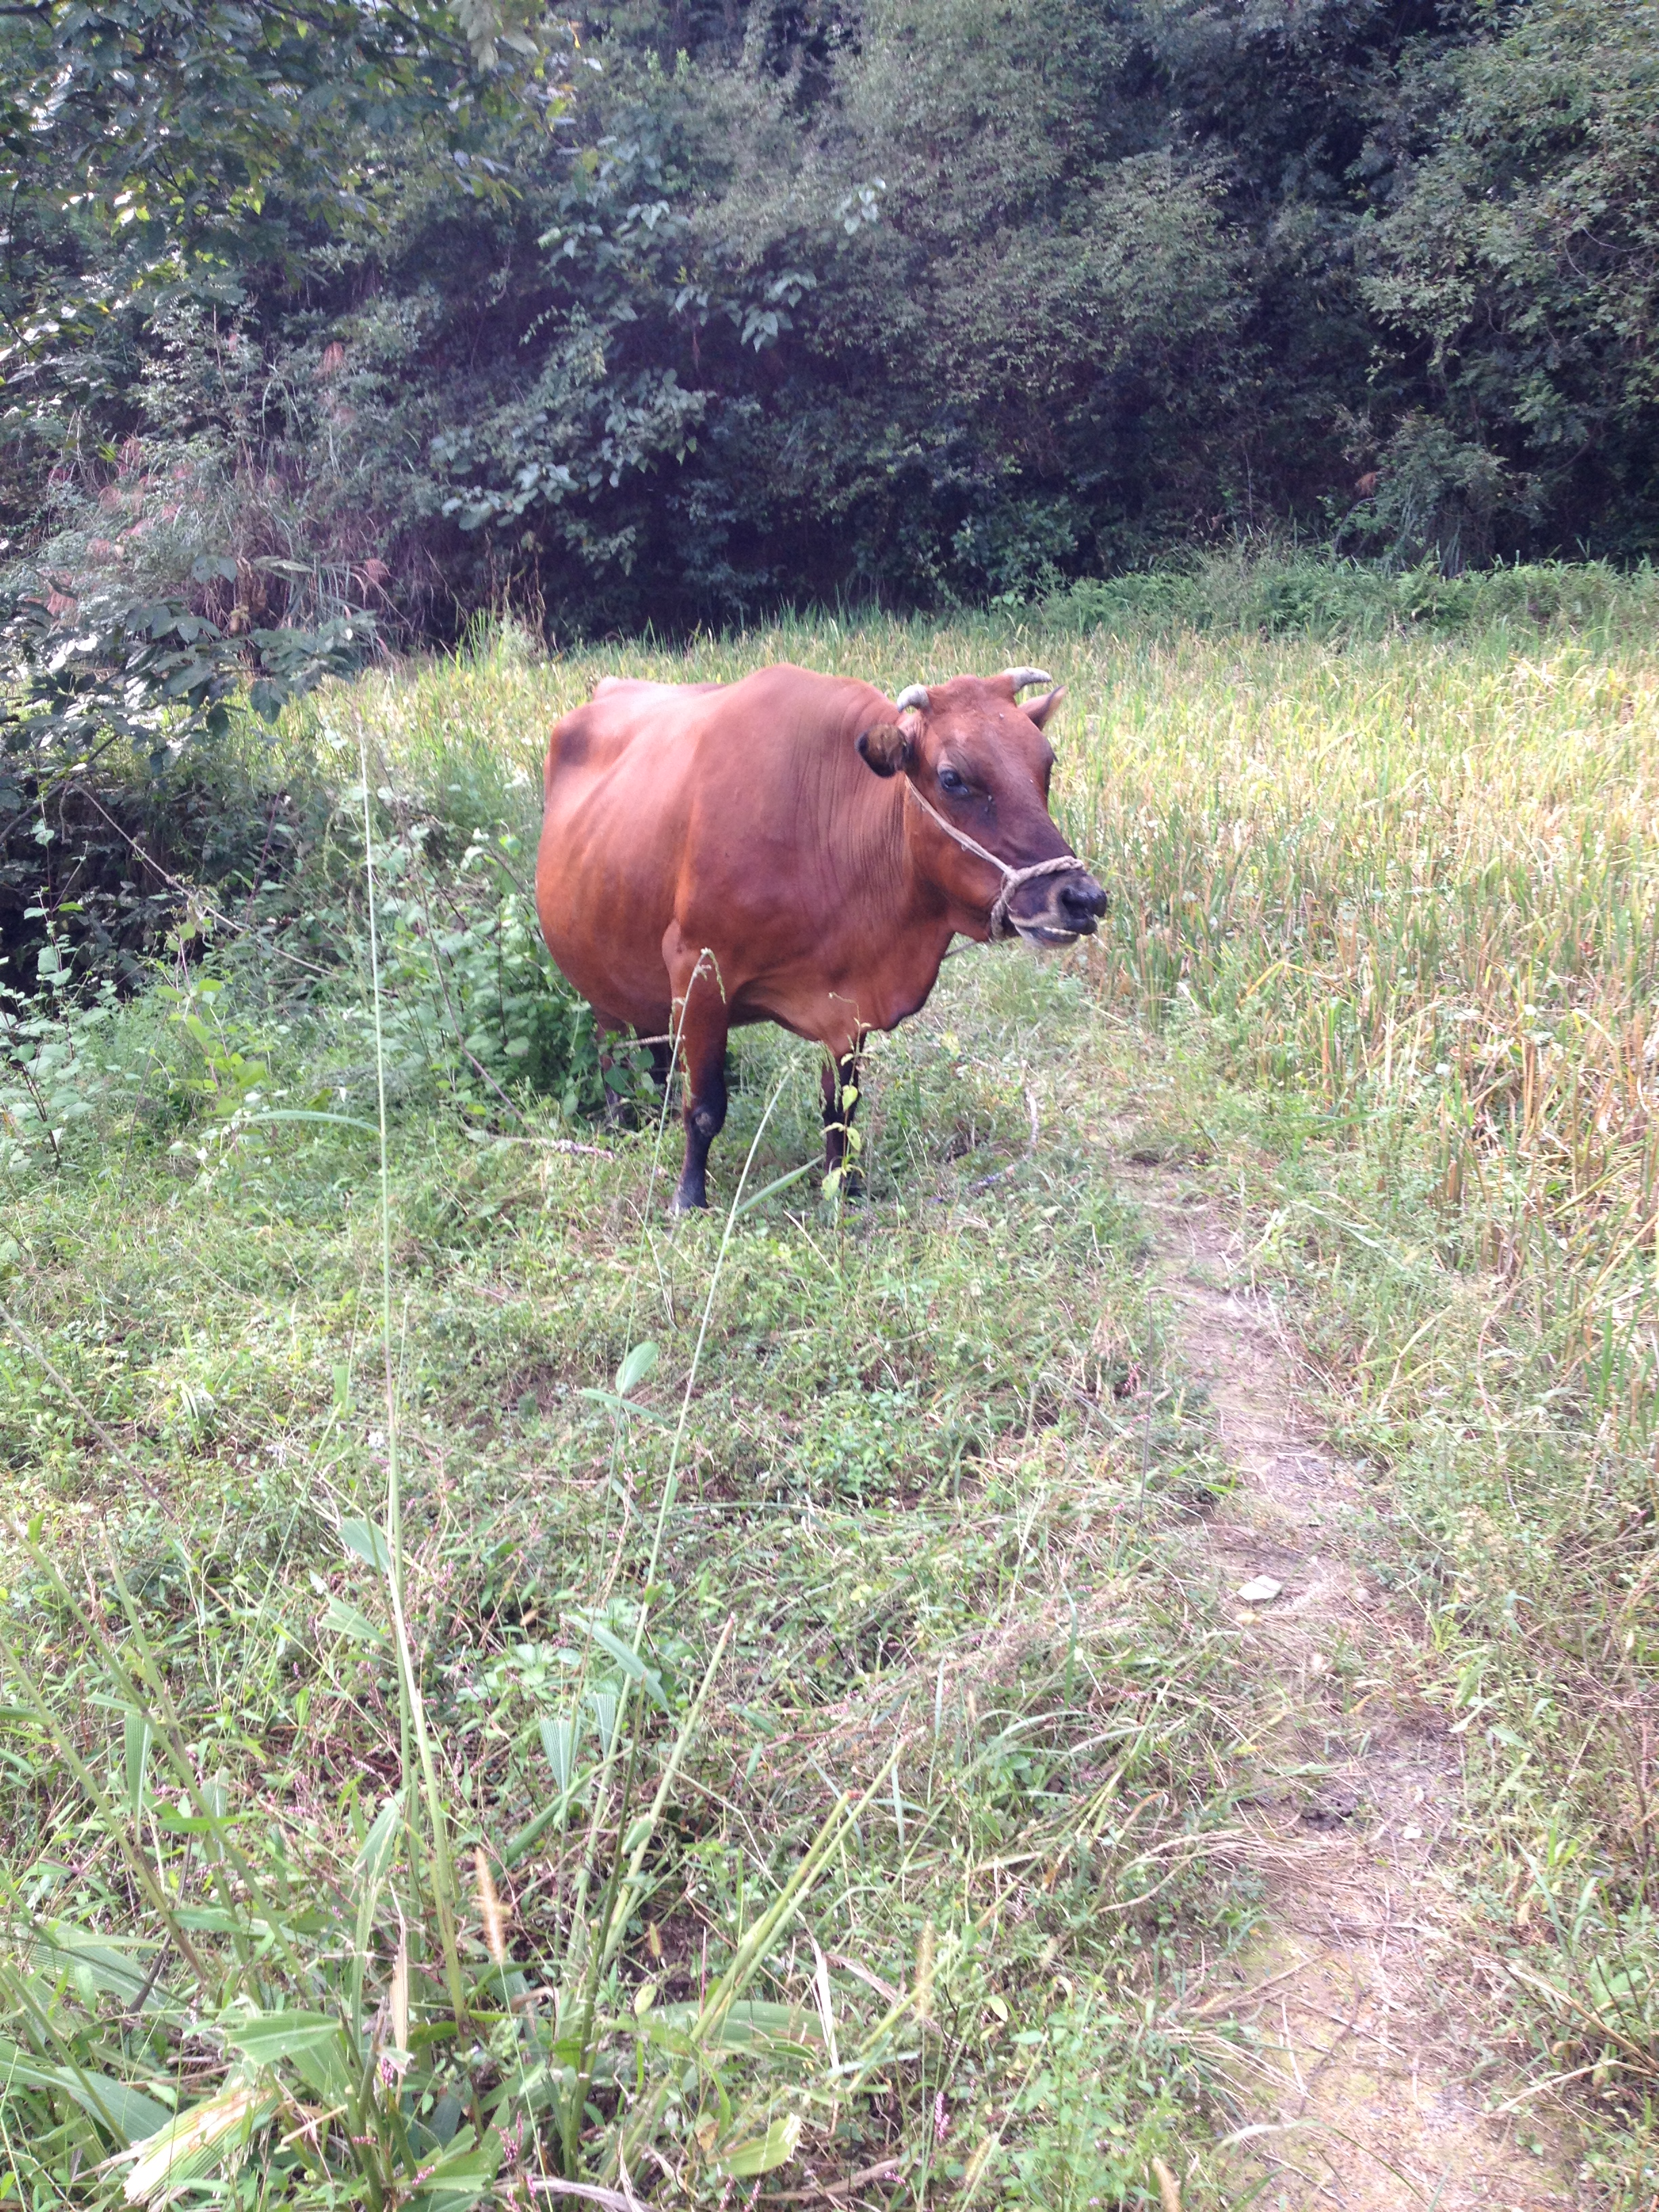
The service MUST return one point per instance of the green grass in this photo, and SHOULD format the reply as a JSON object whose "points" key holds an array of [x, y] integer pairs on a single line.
{"points": [[921, 1538], [1380, 953]]}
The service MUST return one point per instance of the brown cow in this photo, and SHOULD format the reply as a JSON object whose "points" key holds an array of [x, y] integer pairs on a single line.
{"points": [[794, 848]]}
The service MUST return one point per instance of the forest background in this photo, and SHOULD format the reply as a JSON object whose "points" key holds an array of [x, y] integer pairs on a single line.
{"points": [[669, 314]]}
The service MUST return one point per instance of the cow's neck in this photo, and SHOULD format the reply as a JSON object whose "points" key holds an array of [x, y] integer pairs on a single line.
{"points": [[919, 919]]}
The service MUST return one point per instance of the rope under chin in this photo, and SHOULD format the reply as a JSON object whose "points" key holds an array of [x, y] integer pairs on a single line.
{"points": [[1013, 879]]}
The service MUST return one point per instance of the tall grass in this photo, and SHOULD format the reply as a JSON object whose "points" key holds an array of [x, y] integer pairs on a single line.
{"points": [[1402, 899], [1281, 592], [904, 1869], [1419, 891], [1414, 883], [1399, 893]]}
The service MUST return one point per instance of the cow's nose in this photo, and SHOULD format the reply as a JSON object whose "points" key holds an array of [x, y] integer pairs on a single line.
{"points": [[1082, 902]]}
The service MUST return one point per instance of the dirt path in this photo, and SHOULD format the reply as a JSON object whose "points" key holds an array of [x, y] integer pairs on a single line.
{"points": [[1366, 2027]]}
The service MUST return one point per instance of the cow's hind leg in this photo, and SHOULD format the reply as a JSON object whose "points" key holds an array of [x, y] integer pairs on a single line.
{"points": [[841, 1083], [704, 1021], [703, 1051]]}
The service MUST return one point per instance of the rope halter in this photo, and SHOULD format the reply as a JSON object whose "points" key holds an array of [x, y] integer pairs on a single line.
{"points": [[1013, 879]]}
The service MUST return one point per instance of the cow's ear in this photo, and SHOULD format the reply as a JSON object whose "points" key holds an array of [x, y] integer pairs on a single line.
{"points": [[885, 748], [1040, 709]]}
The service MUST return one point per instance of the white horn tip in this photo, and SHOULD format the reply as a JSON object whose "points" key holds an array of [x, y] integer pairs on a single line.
{"points": [[1021, 678], [913, 694]]}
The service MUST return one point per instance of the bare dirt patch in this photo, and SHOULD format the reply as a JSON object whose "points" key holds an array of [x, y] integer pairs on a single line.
{"points": [[1372, 2063]]}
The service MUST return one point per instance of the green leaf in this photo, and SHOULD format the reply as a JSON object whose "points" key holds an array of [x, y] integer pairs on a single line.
{"points": [[131, 2114], [341, 1618], [630, 1663], [605, 1704], [464, 2172], [375, 1856], [626, 1406], [138, 1734], [189, 1824], [310, 1113], [367, 1541], [634, 1369], [315, 2044], [189, 2148], [268, 2037], [126, 2111], [121, 1971], [559, 1741], [760, 2153], [754, 2025]]}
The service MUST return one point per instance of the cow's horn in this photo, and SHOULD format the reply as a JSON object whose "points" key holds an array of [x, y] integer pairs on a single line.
{"points": [[1021, 678], [913, 694]]}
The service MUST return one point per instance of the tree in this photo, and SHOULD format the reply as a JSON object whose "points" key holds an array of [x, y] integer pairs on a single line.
{"points": [[1520, 251]]}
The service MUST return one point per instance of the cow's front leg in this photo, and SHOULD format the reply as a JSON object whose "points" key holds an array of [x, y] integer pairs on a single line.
{"points": [[841, 1082], [703, 1023]]}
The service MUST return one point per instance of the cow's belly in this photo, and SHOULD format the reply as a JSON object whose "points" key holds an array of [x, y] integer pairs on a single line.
{"points": [[607, 938], [616, 967], [625, 990], [603, 922]]}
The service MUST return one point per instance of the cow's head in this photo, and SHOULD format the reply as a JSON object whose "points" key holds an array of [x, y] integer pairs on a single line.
{"points": [[979, 762]]}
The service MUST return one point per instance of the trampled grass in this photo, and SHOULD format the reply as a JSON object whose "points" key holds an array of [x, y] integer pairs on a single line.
{"points": [[848, 1751]]}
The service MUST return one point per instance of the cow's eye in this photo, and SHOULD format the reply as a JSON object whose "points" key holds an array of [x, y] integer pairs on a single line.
{"points": [[950, 780]]}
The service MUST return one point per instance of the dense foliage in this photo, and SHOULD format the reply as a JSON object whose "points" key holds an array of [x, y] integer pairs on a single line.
{"points": [[319, 311]]}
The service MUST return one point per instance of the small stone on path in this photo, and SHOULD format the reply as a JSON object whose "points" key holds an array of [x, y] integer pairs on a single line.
{"points": [[1261, 1590]]}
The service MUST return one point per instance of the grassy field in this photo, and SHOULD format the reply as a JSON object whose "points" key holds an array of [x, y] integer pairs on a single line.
{"points": [[500, 1688]]}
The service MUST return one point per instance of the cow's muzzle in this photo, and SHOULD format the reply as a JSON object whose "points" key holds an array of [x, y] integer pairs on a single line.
{"points": [[1073, 910]]}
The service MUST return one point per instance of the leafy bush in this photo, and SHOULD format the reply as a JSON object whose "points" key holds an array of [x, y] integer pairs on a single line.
{"points": [[472, 997], [51, 1075], [704, 318], [1095, 2122]]}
